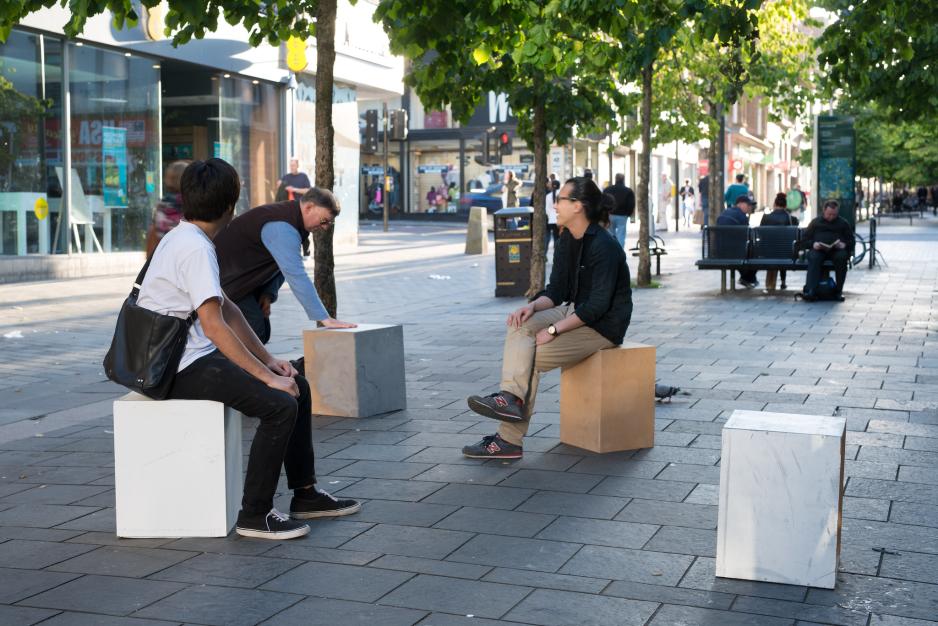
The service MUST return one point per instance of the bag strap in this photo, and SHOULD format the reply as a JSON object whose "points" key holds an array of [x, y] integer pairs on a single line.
{"points": [[190, 319]]}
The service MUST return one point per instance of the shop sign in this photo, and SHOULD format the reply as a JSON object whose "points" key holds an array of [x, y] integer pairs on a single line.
{"points": [[737, 165], [372, 170], [432, 169], [527, 158], [494, 109]]}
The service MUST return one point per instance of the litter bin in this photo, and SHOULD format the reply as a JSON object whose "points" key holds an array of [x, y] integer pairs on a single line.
{"points": [[513, 241]]}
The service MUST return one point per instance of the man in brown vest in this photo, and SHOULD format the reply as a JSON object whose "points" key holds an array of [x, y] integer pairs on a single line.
{"points": [[263, 247]]}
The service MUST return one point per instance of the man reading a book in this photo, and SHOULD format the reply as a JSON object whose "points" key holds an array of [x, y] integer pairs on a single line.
{"points": [[829, 237]]}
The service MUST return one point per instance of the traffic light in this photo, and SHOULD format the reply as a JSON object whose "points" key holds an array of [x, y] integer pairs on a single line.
{"points": [[370, 143], [398, 131], [504, 142]]}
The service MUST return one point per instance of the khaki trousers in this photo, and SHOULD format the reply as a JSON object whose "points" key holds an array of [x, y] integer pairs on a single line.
{"points": [[524, 361]]}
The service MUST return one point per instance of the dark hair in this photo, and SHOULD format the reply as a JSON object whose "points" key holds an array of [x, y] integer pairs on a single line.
{"points": [[325, 199], [740, 177], [209, 190], [620, 178], [781, 200], [597, 204], [831, 204]]}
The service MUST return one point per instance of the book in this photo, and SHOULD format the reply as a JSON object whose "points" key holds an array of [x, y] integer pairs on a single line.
{"points": [[827, 246]]}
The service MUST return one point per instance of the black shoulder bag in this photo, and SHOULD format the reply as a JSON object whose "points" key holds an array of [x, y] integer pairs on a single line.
{"points": [[146, 347]]}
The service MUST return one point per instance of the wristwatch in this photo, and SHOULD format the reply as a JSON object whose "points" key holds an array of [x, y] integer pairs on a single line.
{"points": [[552, 331]]}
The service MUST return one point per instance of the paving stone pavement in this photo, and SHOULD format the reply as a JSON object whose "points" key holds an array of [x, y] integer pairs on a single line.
{"points": [[562, 537]]}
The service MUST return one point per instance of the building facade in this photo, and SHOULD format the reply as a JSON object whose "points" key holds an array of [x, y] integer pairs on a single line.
{"points": [[89, 126]]}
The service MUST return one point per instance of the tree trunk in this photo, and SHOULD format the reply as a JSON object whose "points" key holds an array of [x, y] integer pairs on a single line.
{"points": [[539, 223], [716, 165], [643, 276], [324, 274]]}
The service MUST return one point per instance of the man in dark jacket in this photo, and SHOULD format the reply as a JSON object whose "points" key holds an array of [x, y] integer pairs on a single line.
{"points": [[830, 238], [738, 215], [263, 247], [625, 206]]}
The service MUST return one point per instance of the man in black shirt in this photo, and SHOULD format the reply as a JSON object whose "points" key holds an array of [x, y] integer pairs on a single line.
{"points": [[625, 206], [831, 238], [293, 184], [586, 307]]}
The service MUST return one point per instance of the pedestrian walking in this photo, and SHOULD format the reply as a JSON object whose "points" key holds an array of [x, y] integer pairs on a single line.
{"points": [[623, 209], [293, 184]]}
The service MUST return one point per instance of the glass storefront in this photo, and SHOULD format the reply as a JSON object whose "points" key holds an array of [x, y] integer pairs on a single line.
{"points": [[30, 142], [129, 116], [115, 147]]}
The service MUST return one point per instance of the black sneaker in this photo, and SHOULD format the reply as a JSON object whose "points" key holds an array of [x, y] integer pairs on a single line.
{"points": [[274, 525], [748, 284], [503, 406], [322, 505], [492, 447]]}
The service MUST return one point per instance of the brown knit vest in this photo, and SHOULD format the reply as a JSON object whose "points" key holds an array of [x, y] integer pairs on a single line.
{"points": [[244, 262]]}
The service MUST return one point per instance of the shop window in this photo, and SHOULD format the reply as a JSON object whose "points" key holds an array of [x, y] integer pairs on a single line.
{"points": [[115, 148], [30, 142]]}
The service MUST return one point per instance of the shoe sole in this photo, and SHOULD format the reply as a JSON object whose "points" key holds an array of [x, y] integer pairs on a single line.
{"points": [[334, 513], [492, 456], [486, 411], [266, 534]]}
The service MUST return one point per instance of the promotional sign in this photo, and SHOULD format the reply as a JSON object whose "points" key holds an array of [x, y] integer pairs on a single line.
{"points": [[41, 208], [114, 158], [835, 161], [432, 169]]}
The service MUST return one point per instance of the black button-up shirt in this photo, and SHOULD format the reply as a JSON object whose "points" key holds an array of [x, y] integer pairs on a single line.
{"points": [[592, 273]]}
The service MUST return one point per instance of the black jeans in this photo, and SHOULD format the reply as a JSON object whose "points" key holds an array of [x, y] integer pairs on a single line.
{"points": [[251, 307], [816, 260], [283, 438]]}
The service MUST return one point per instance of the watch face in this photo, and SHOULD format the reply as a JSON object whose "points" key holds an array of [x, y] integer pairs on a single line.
{"points": [[551, 330]]}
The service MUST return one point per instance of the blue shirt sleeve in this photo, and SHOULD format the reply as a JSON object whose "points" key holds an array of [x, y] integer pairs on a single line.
{"points": [[284, 244]]}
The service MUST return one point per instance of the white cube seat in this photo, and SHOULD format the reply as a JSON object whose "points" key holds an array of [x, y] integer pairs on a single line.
{"points": [[781, 498], [177, 467]]}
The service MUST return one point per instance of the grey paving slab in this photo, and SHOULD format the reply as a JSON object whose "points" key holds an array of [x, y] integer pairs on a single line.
{"points": [[472, 474], [669, 595], [672, 615], [450, 595], [909, 566], [38, 554], [879, 595], [599, 532], [797, 610], [446, 619], [343, 582], [407, 490], [681, 540], [914, 513], [625, 564], [431, 543], [643, 488], [228, 570], [702, 575], [205, 604], [22, 616], [670, 513], [53, 494], [573, 504], [42, 515], [103, 594], [544, 580], [560, 608], [496, 521], [329, 612], [381, 469], [305, 552], [554, 481], [17, 584], [431, 566], [496, 497], [122, 561], [516, 552]]}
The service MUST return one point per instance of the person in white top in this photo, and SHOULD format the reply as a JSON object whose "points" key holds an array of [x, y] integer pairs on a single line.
{"points": [[553, 185], [224, 360]]}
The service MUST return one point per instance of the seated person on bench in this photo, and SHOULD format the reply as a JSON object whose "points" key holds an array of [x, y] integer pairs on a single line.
{"points": [[778, 217], [263, 246], [586, 307], [830, 237], [738, 215], [224, 361]]}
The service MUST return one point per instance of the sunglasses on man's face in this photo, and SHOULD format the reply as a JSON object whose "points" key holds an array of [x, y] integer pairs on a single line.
{"points": [[326, 221]]}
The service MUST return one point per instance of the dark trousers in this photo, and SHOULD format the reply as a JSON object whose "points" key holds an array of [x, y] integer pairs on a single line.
{"points": [[552, 232], [816, 260], [283, 438], [251, 307]]}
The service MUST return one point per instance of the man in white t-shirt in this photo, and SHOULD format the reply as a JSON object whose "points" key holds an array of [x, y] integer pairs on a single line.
{"points": [[224, 360]]}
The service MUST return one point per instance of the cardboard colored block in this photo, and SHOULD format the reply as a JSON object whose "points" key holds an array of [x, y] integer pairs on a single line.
{"points": [[781, 496], [356, 372], [177, 467], [477, 231], [607, 401]]}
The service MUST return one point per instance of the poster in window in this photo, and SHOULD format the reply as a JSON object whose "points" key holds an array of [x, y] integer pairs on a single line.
{"points": [[114, 157]]}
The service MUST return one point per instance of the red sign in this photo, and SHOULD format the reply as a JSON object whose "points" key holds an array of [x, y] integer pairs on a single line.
{"points": [[737, 165]]}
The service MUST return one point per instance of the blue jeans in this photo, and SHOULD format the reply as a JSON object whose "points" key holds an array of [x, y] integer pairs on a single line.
{"points": [[618, 223]]}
